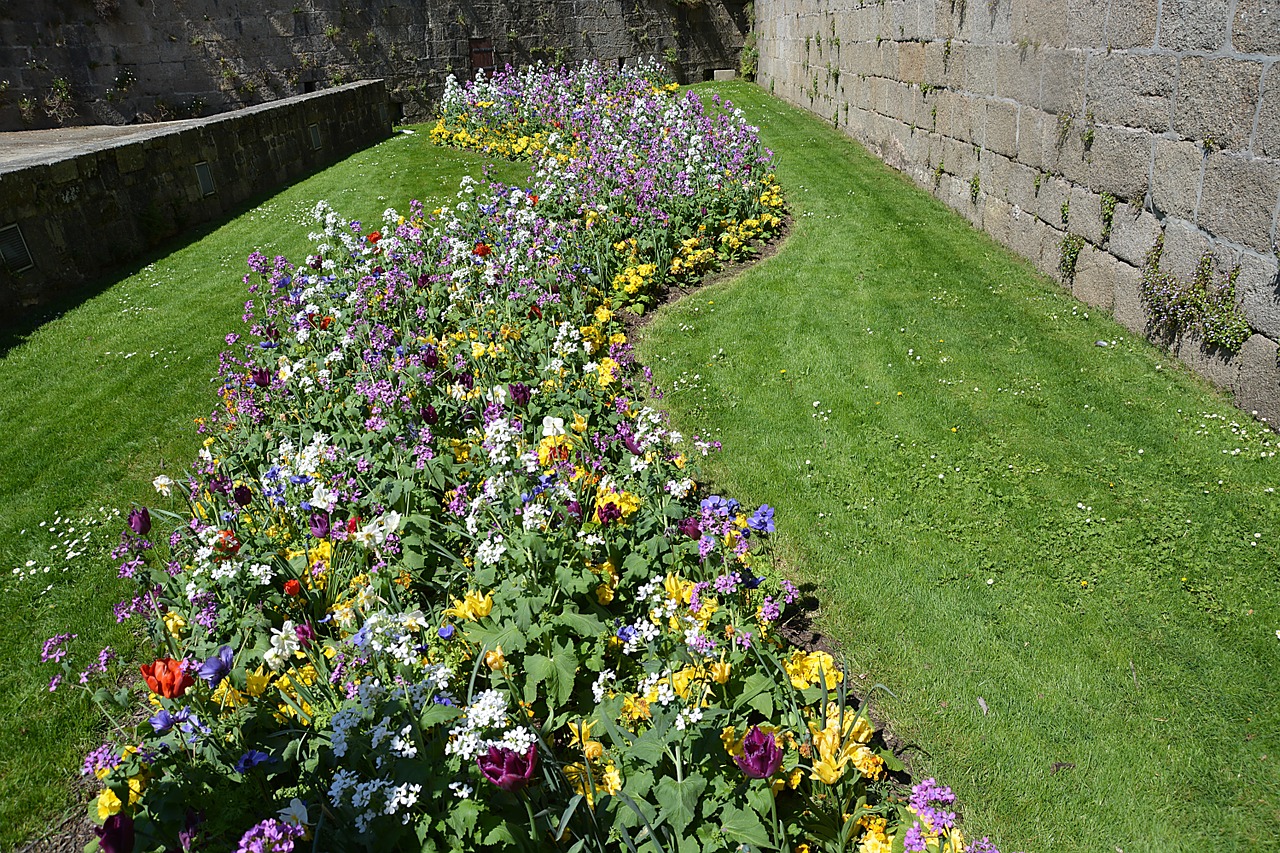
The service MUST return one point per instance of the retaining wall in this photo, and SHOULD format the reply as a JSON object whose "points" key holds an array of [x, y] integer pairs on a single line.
{"points": [[93, 206], [66, 62], [1034, 117]]}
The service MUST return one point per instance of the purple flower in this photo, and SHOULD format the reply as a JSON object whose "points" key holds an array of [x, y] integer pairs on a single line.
{"points": [[983, 846], [690, 527], [242, 495], [761, 520], [53, 649], [140, 521], [445, 632], [519, 393], [270, 836], [913, 841], [261, 377], [508, 769], [925, 798], [116, 834], [217, 667], [162, 721], [761, 756], [320, 525], [430, 358], [252, 759], [429, 415]]}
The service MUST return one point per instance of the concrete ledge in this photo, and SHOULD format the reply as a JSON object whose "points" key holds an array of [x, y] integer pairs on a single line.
{"points": [[91, 199]]}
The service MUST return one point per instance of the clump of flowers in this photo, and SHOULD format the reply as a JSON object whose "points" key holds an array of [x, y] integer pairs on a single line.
{"points": [[448, 581]]}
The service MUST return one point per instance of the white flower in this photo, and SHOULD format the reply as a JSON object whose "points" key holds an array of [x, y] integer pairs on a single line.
{"points": [[552, 426], [295, 813], [163, 484]]}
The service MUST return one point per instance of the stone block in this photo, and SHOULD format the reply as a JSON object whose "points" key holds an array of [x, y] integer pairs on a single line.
{"points": [[1132, 90], [1219, 366], [959, 158], [1258, 290], [1086, 214], [1126, 303], [911, 62], [1175, 179], [1184, 246], [1132, 23], [1039, 22], [1018, 74], [1194, 24], [1032, 127], [997, 218], [1238, 201], [1001, 131], [1086, 24], [1050, 249], [1095, 279], [722, 75], [1062, 81], [1216, 100], [1258, 383], [1266, 139], [980, 71], [1256, 28], [1054, 193], [1133, 234], [1119, 162]]}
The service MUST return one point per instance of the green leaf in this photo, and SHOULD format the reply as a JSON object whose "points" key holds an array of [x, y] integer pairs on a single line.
{"points": [[582, 624], [744, 827], [679, 800], [461, 816], [538, 668]]}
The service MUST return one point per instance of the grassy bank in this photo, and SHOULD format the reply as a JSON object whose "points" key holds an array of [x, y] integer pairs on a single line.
{"points": [[99, 401], [1059, 556]]}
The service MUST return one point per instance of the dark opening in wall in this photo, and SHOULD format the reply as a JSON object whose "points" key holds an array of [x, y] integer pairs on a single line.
{"points": [[13, 249], [314, 130], [481, 56], [308, 86], [205, 177]]}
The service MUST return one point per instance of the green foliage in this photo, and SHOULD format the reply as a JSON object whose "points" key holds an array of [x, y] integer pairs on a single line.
{"points": [[1064, 212], [1108, 205], [1202, 307], [974, 188], [1068, 256]]}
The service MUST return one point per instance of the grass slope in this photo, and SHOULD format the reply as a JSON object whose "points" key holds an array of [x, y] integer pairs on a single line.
{"points": [[99, 401], [991, 506]]}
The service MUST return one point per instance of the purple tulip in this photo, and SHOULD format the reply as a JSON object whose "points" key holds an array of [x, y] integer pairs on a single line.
{"points": [[243, 495], [217, 667], [691, 528], [429, 415], [519, 393], [220, 484], [575, 509], [466, 380], [261, 377], [320, 525], [140, 521], [508, 769], [761, 756], [116, 834], [430, 358]]}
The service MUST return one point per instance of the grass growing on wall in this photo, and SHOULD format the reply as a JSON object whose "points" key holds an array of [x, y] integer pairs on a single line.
{"points": [[1059, 556], [102, 399]]}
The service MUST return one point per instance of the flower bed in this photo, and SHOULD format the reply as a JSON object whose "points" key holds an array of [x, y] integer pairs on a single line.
{"points": [[446, 582]]}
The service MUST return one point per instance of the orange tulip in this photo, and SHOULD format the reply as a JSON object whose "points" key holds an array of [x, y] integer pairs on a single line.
{"points": [[166, 677]]}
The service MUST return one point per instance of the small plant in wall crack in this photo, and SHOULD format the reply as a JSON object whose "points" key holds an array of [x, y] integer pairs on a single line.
{"points": [[975, 187], [1069, 256], [1206, 309], [1108, 203], [1065, 213]]}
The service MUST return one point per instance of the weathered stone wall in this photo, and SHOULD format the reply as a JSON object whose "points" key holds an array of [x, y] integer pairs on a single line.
{"points": [[64, 62], [1033, 117], [84, 211]]}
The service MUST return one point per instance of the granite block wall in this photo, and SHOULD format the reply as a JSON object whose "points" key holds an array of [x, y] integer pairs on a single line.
{"points": [[94, 206], [1099, 123], [68, 62]]}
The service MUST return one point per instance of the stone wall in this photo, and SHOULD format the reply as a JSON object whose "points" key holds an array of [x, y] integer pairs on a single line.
{"points": [[1101, 124], [93, 206], [120, 61]]}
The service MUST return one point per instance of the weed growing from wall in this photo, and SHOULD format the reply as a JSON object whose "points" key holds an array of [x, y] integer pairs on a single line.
{"points": [[1070, 255], [1108, 214], [1207, 310], [975, 186]]}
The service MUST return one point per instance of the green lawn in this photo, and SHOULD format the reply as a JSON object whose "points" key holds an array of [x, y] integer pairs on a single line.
{"points": [[102, 399], [990, 506]]}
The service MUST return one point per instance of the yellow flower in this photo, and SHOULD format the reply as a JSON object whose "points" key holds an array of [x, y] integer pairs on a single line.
{"points": [[471, 607], [732, 743], [257, 682], [611, 780], [174, 623], [678, 589], [875, 839], [108, 804], [720, 671], [495, 659], [579, 423], [868, 763], [813, 668], [227, 696], [581, 737]]}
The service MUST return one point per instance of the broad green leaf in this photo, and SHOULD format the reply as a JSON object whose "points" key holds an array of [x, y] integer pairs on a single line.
{"points": [[679, 800], [744, 827]]}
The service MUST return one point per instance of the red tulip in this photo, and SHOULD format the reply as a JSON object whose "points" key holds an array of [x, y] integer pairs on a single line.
{"points": [[292, 587], [167, 677]]}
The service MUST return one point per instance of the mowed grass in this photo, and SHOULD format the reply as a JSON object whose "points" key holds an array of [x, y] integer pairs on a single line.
{"points": [[991, 508], [96, 403]]}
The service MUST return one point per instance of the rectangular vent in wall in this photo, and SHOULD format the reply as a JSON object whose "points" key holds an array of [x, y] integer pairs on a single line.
{"points": [[314, 130], [384, 114], [205, 177], [13, 249]]}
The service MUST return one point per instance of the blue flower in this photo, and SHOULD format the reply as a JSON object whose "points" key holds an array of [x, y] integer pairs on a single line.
{"points": [[761, 520], [252, 759], [217, 667]]}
